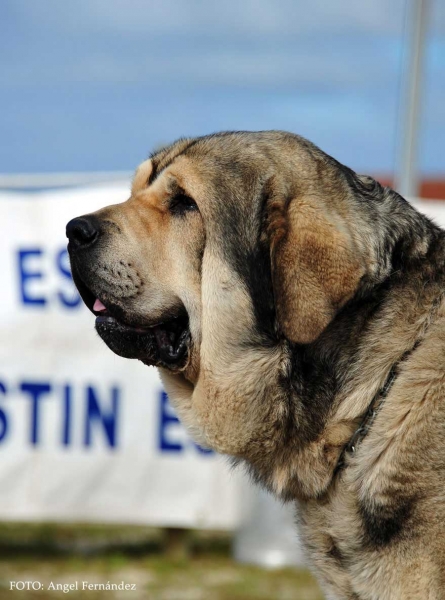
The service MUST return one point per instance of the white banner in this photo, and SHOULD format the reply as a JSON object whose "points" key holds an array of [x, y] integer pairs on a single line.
{"points": [[84, 434]]}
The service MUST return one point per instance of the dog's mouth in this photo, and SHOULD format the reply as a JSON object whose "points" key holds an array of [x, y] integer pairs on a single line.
{"points": [[163, 343]]}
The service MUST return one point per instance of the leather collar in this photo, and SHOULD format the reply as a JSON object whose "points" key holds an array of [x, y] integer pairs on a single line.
{"points": [[371, 413]]}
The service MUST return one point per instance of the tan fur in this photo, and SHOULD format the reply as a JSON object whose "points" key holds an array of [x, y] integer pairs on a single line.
{"points": [[315, 270], [141, 176], [286, 395], [400, 442]]}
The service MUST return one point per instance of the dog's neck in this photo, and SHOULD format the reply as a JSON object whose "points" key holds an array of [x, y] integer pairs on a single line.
{"points": [[332, 382], [288, 410]]}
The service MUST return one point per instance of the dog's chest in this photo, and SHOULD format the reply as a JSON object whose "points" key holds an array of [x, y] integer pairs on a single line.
{"points": [[331, 531]]}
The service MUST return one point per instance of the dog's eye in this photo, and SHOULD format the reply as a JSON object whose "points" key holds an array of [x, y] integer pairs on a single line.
{"points": [[181, 203]]}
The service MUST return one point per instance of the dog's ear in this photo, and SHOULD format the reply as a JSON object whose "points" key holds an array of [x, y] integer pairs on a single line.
{"points": [[315, 264]]}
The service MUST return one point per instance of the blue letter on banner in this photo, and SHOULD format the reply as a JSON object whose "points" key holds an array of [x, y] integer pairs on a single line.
{"points": [[108, 420], [25, 275], [35, 391], [73, 300], [3, 419], [166, 418]]}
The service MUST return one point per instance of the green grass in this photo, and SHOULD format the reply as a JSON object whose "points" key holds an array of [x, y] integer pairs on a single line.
{"points": [[135, 555]]}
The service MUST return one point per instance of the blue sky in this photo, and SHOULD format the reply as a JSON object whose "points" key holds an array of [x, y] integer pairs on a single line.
{"points": [[96, 84]]}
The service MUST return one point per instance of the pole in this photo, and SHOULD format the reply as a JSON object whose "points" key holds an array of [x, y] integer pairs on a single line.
{"points": [[407, 180]]}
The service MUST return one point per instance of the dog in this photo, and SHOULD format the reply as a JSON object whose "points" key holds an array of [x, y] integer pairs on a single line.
{"points": [[295, 312]]}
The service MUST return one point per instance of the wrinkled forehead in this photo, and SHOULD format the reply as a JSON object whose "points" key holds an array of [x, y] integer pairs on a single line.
{"points": [[181, 173], [223, 180], [142, 176]]}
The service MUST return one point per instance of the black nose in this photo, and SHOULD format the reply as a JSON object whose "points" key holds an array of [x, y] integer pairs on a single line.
{"points": [[82, 231]]}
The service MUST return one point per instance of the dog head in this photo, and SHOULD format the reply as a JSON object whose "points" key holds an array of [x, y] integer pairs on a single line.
{"points": [[230, 248]]}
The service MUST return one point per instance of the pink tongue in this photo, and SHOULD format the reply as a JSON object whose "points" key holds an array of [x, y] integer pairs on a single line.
{"points": [[98, 306]]}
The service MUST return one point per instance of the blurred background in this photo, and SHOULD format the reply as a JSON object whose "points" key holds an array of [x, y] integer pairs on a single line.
{"points": [[99, 481]]}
